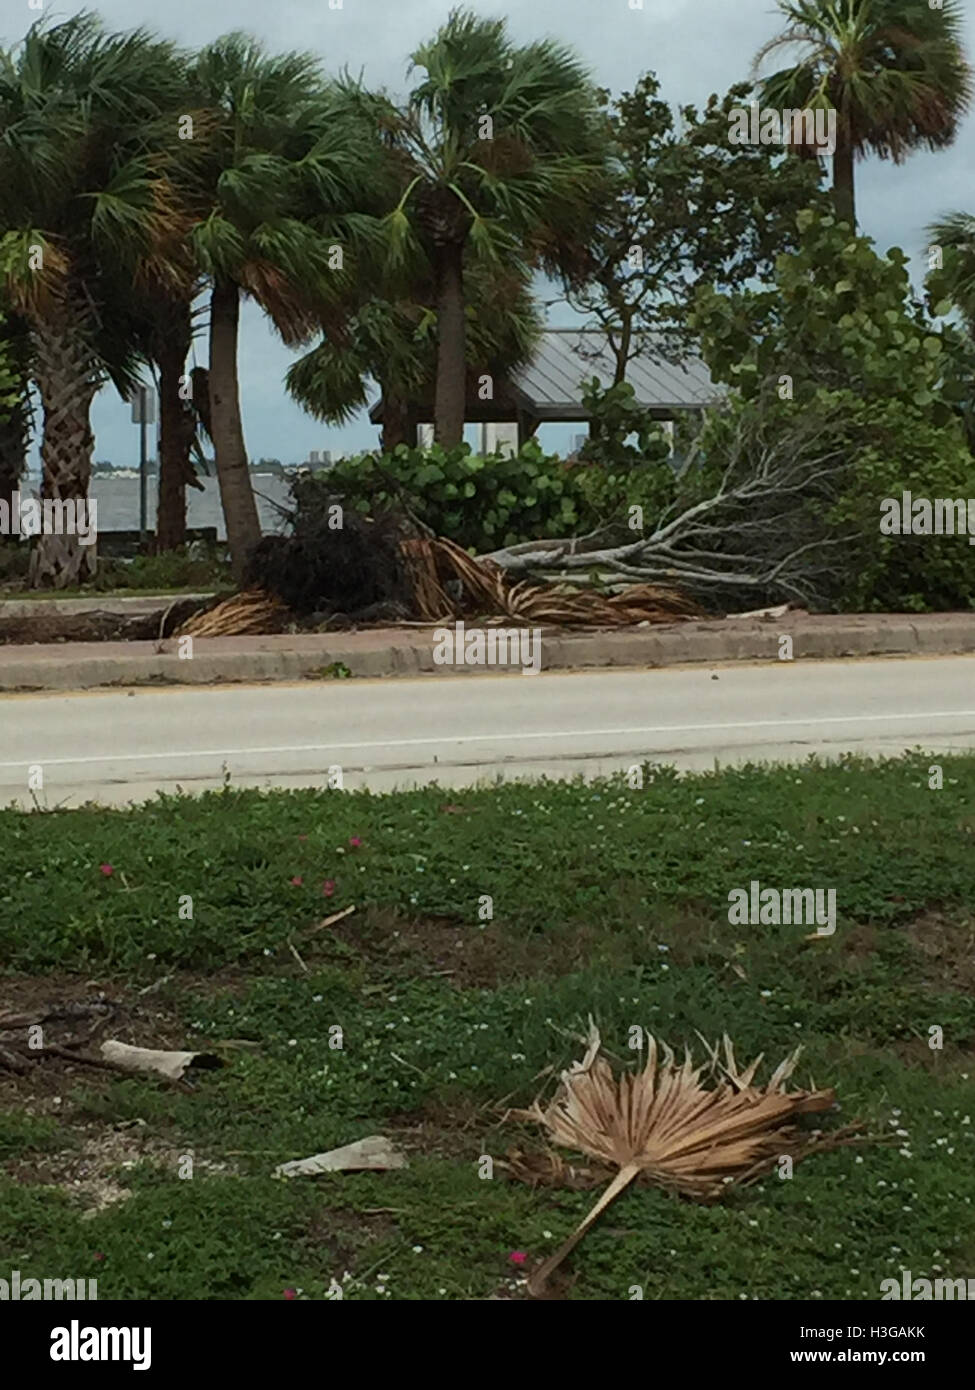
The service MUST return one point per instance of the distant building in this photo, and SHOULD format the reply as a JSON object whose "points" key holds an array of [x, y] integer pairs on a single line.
{"points": [[318, 458]]}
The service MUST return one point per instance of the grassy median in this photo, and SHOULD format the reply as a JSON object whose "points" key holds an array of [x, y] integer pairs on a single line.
{"points": [[199, 918]]}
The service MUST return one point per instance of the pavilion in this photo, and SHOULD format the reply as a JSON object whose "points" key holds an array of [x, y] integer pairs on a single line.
{"points": [[549, 388]]}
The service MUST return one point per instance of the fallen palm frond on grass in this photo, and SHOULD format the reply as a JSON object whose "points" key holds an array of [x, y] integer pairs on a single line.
{"points": [[663, 1124]]}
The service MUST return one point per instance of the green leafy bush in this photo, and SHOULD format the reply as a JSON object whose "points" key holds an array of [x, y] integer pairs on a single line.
{"points": [[196, 566], [480, 501], [898, 449], [842, 326], [625, 462], [484, 502]]}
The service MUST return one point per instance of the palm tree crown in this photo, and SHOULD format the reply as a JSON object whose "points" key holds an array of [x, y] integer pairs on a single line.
{"points": [[894, 71], [85, 213], [501, 147]]}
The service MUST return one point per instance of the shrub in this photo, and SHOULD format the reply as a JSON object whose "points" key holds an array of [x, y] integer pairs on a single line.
{"points": [[482, 502], [898, 449], [485, 502], [886, 448]]}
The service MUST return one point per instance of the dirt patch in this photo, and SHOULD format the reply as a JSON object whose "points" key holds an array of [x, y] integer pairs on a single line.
{"points": [[96, 625], [347, 1234], [455, 1129], [92, 1169], [859, 942], [945, 949], [84, 1012], [470, 955], [92, 1162]]}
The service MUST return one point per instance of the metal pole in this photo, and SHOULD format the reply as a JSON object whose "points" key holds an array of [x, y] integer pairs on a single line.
{"points": [[143, 479]]}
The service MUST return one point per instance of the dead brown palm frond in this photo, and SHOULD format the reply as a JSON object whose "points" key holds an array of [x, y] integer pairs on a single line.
{"points": [[289, 309], [486, 590], [431, 601], [546, 1168], [251, 612], [663, 1124]]}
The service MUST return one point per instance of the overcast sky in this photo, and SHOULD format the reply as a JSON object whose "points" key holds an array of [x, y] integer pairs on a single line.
{"points": [[695, 46]]}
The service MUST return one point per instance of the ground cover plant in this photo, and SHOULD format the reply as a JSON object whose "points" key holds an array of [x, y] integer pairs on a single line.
{"points": [[608, 899]]}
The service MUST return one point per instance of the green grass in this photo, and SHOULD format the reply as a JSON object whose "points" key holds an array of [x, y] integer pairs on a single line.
{"points": [[606, 900], [187, 570]]}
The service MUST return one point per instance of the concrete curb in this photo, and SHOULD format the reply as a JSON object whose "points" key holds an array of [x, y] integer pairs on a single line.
{"points": [[117, 604], [409, 651]]}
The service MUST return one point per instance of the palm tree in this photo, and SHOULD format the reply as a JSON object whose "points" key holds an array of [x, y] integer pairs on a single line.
{"points": [[894, 71], [955, 234], [954, 281], [393, 342], [157, 317], [83, 208], [161, 333], [275, 199], [502, 148], [15, 407]]}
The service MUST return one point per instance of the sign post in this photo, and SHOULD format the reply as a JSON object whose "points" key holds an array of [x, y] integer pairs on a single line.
{"points": [[143, 414]]}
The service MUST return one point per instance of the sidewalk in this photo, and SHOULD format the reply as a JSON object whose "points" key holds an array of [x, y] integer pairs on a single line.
{"points": [[409, 651], [119, 604]]}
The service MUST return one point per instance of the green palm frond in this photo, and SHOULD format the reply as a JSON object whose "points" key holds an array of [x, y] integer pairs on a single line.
{"points": [[894, 70], [219, 245], [956, 235], [329, 382]]}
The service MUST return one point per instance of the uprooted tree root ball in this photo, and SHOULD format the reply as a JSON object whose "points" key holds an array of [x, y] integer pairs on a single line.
{"points": [[424, 579]]}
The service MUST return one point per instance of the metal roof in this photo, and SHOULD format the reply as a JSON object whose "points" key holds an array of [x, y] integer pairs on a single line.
{"points": [[550, 387], [551, 383]]}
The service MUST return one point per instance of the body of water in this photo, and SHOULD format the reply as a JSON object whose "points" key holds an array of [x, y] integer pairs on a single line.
{"points": [[118, 503]]}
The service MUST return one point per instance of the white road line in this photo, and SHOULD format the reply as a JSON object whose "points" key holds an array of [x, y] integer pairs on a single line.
{"points": [[813, 721]]}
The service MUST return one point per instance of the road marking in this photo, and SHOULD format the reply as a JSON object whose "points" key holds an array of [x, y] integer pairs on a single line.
{"points": [[813, 722]]}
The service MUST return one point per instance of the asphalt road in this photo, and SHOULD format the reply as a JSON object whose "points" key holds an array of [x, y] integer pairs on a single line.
{"points": [[117, 746]]}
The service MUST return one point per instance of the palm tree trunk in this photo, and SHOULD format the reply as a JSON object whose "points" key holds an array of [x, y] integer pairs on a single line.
{"points": [[395, 420], [68, 378], [236, 492], [13, 440], [175, 434], [451, 391], [14, 436], [843, 191], [16, 422]]}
